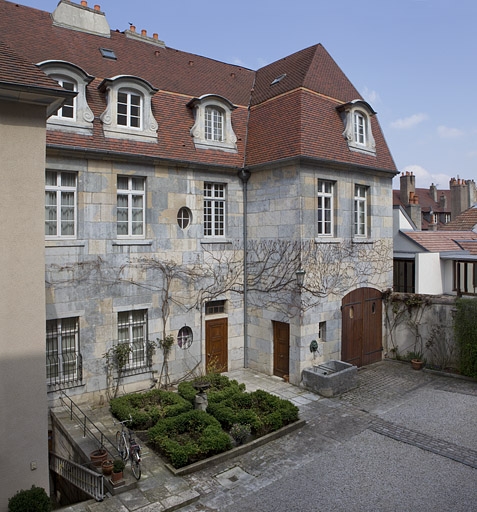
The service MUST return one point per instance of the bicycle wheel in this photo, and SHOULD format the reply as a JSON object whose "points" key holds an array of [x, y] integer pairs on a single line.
{"points": [[136, 464], [122, 446]]}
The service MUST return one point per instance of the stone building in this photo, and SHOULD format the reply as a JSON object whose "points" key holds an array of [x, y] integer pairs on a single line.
{"points": [[245, 213]]}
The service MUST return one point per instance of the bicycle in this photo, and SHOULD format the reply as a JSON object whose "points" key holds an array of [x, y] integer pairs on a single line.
{"points": [[129, 448]]}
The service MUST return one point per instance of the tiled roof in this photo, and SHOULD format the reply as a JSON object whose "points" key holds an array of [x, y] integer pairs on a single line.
{"points": [[296, 117], [426, 201], [466, 221], [440, 241]]}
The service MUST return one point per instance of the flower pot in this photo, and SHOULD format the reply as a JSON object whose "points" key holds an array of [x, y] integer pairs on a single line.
{"points": [[98, 456], [117, 478], [416, 364], [107, 467]]}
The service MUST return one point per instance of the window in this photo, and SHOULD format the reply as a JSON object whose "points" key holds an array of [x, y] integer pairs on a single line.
{"points": [[75, 115], [130, 207], [465, 277], [184, 338], [213, 123], [360, 211], [404, 276], [63, 361], [359, 128], [322, 331], [215, 307], [356, 116], [214, 209], [325, 207], [60, 204], [128, 113], [132, 330], [184, 216], [129, 109]]}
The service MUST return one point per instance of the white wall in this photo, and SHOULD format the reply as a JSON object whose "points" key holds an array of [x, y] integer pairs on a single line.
{"points": [[429, 278]]}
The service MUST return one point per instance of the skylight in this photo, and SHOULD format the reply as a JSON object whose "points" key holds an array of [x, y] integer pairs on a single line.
{"points": [[279, 79], [108, 54]]}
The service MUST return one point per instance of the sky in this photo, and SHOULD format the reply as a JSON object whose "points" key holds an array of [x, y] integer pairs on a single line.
{"points": [[414, 61]]}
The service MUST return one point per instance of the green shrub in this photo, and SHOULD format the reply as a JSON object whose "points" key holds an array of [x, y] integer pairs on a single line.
{"points": [[187, 391], [465, 327], [32, 500], [146, 409], [189, 437]]}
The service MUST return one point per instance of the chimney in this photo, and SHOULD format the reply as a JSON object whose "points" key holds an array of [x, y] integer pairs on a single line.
{"points": [[433, 192], [82, 18], [443, 201], [460, 199], [408, 187]]}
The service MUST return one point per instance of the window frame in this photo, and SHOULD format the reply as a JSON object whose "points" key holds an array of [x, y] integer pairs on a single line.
{"points": [[215, 210], [60, 191], [128, 115], [134, 318], [404, 275], [356, 116], [131, 194], [360, 211], [58, 333], [325, 226]]}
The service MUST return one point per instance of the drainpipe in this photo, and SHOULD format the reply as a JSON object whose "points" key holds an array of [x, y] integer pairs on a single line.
{"points": [[244, 175]]}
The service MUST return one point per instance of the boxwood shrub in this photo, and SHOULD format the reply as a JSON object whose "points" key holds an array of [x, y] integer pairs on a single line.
{"points": [[147, 408], [31, 500], [189, 437], [218, 383]]}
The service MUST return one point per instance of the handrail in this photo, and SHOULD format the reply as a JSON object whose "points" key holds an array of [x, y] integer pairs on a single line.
{"points": [[86, 423]]}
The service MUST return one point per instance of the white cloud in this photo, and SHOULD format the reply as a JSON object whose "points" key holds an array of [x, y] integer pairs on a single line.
{"points": [[409, 122], [449, 133], [425, 178], [372, 97]]}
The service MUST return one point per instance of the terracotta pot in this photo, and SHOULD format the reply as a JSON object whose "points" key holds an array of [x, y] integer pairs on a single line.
{"points": [[116, 477], [97, 457], [107, 466], [416, 364]]}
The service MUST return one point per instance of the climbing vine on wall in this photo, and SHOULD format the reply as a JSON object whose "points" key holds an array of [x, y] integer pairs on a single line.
{"points": [[465, 328]]}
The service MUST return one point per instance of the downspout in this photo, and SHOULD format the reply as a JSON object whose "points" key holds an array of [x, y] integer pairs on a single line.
{"points": [[244, 175]]}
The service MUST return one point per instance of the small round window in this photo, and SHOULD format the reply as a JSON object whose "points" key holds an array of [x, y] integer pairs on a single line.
{"points": [[184, 338], [184, 217]]}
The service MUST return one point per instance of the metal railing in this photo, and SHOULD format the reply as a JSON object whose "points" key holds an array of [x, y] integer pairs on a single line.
{"points": [[89, 481]]}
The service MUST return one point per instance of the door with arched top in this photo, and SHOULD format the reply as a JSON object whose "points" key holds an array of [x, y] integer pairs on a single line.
{"points": [[362, 327]]}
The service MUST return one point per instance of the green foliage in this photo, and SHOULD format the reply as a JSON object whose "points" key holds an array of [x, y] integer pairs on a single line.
{"points": [[220, 387], [118, 465], [146, 409], [240, 432], [465, 328], [189, 437], [32, 500]]}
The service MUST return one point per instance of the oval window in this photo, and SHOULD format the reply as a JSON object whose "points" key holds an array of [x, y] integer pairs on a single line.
{"points": [[184, 338], [184, 217]]}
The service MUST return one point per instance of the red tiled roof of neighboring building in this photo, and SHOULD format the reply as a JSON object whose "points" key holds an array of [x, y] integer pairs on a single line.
{"points": [[296, 117], [425, 200], [440, 241], [466, 221]]}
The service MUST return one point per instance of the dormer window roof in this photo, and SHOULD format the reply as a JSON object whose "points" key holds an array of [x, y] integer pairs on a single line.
{"points": [[356, 116]]}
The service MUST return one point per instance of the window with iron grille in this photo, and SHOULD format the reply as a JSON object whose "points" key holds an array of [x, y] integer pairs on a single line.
{"points": [[63, 360], [214, 209], [184, 337], [130, 206], [60, 204], [132, 329], [325, 207], [360, 211], [215, 307]]}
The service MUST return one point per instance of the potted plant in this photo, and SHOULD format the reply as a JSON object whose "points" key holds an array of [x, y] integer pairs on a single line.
{"points": [[417, 361], [97, 456], [107, 467], [117, 474]]}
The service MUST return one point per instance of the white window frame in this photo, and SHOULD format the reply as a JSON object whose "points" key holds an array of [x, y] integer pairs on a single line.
{"points": [[325, 210], [132, 194], [207, 109], [128, 321], [69, 85], [360, 211], [130, 85], [356, 116], [214, 209], [360, 128], [60, 366], [82, 120], [133, 110], [60, 191]]}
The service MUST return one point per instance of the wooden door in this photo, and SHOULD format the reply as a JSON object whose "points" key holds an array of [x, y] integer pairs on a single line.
{"points": [[361, 333], [281, 349], [216, 346]]}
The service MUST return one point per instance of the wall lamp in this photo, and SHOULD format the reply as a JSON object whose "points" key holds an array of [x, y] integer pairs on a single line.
{"points": [[300, 277]]}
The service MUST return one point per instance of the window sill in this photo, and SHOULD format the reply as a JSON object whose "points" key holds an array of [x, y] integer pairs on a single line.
{"points": [[217, 240], [328, 240], [362, 241], [64, 242], [132, 241]]}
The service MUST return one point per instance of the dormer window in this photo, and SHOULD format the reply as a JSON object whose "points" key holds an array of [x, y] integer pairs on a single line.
{"points": [[213, 123], [75, 114], [356, 116], [128, 114]]}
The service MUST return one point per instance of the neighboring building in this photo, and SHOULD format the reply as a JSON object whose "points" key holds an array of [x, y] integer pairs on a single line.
{"points": [[466, 221], [27, 98], [431, 209], [163, 169]]}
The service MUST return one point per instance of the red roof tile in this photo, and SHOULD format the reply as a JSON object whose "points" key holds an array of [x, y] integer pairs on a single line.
{"points": [[440, 241], [466, 221]]}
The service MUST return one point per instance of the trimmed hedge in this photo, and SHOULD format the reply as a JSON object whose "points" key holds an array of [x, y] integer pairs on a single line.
{"points": [[146, 409], [218, 383], [189, 437], [465, 328], [31, 500]]}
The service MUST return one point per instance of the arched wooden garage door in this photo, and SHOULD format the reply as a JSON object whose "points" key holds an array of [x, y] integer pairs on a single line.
{"points": [[362, 327]]}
